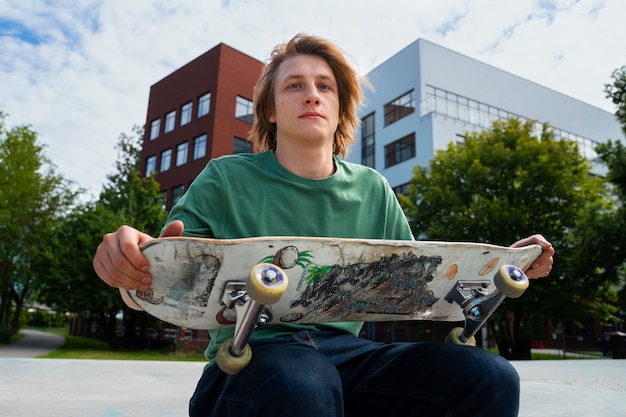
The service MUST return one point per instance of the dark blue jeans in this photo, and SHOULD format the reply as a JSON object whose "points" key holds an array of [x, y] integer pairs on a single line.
{"points": [[331, 373]]}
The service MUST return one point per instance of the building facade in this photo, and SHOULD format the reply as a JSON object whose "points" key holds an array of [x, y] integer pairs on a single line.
{"points": [[424, 97], [200, 111], [427, 96]]}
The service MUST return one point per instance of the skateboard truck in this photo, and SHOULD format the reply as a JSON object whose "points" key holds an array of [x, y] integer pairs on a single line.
{"points": [[265, 286], [479, 302], [234, 298]]}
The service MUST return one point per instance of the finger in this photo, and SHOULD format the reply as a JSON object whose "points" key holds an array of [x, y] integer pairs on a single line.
{"points": [[114, 269], [532, 240], [128, 240], [119, 261], [174, 229], [543, 264], [539, 272]]}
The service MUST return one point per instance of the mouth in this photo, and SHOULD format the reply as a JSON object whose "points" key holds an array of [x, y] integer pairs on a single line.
{"points": [[311, 114]]}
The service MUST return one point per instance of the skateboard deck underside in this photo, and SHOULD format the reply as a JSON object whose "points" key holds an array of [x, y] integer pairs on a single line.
{"points": [[329, 279]]}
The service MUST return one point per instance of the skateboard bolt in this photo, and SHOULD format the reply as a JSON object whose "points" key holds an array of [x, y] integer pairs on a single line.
{"points": [[515, 274], [270, 275], [263, 319], [476, 312]]}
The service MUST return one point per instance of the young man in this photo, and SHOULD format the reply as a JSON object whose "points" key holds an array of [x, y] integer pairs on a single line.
{"points": [[295, 184]]}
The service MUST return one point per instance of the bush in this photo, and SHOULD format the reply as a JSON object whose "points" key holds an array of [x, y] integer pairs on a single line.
{"points": [[5, 334], [40, 318], [37, 318]]}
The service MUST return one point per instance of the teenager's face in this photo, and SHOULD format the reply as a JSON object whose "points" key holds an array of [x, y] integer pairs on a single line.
{"points": [[306, 101]]}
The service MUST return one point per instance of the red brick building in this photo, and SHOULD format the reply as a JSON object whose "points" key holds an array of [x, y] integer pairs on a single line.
{"points": [[200, 111]]}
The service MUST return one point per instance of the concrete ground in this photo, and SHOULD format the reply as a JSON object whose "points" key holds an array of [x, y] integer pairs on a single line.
{"points": [[31, 387]]}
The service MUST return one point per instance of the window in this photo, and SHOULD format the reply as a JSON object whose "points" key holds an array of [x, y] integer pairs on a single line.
{"points": [[402, 189], [185, 113], [150, 165], [241, 146], [204, 104], [400, 150], [199, 147], [162, 199], [170, 119], [181, 153], [166, 160], [177, 193], [155, 127], [399, 108], [368, 141], [244, 109]]}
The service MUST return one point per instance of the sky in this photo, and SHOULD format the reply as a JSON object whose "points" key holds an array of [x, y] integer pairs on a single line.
{"points": [[79, 72]]}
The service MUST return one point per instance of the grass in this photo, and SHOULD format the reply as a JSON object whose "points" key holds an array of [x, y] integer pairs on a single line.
{"points": [[16, 337], [541, 356], [538, 356], [549, 356], [77, 347]]}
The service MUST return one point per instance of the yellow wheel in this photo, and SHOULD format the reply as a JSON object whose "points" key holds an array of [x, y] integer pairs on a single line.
{"points": [[511, 281], [455, 337], [267, 283], [230, 363]]}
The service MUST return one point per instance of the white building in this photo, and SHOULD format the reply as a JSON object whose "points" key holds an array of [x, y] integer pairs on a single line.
{"points": [[426, 96]]}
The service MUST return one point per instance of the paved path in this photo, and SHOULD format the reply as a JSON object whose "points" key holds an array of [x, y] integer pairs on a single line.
{"points": [[595, 387], [34, 343], [96, 388]]}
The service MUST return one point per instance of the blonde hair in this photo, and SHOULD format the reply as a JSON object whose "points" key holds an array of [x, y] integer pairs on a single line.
{"points": [[263, 133]]}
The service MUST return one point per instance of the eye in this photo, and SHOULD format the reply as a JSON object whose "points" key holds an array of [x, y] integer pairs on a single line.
{"points": [[324, 87], [293, 86]]}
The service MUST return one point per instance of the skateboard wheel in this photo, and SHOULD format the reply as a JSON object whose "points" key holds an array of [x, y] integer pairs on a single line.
{"points": [[455, 337], [511, 281], [230, 363], [267, 283]]}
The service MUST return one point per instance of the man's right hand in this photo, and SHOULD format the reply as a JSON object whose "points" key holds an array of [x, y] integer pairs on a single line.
{"points": [[120, 263]]}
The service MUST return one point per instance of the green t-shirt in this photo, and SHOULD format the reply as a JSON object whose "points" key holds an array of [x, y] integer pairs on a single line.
{"points": [[249, 195]]}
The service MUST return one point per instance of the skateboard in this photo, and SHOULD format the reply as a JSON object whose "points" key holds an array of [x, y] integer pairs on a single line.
{"points": [[247, 283]]}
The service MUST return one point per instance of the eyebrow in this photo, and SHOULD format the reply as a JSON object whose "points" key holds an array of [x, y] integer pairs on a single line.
{"points": [[292, 77]]}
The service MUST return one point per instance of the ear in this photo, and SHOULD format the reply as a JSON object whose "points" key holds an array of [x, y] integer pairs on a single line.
{"points": [[271, 111]]}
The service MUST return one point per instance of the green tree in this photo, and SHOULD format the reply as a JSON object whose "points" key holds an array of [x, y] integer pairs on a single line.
{"points": [[33, 199], [126, 198], [135, 200], [72, 285], [613, 154], [617, 93], [498, 186]]}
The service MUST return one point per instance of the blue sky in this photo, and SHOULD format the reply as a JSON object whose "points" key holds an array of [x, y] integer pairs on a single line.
{"points": [[79, 71]]}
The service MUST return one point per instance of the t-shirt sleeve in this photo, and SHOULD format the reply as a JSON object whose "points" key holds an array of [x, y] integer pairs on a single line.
{"points": [[202, 205], [397, 227]]}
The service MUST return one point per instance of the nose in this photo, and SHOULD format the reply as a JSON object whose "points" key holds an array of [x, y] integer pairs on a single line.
{"points": [[311, 94]]}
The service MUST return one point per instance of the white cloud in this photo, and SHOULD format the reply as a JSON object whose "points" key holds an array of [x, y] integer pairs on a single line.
{"points": [[79, 72]]}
